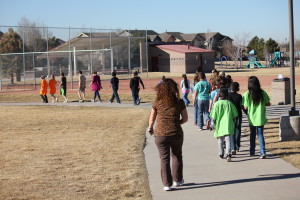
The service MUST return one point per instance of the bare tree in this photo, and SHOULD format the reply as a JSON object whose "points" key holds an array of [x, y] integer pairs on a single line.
{"points": [[240, 44]]}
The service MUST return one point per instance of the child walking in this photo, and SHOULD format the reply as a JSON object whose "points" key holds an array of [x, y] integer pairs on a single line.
{"points": [[236, 99], [63, 87], [43, 91], [185, 89], [114, 81], [52, 86], [255, 101], [223, 113]]}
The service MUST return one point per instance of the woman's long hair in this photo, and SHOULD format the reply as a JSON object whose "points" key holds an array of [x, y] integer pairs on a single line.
{"points": [[167, 92], [186, 84], [255, 90]]}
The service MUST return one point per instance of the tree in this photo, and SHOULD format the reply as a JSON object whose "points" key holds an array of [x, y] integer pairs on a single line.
{"points": [[35, 38], [271, 45], [257, 44], [11, 42]]}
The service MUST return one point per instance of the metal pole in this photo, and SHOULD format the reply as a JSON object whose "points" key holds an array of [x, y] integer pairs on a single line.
{"points": [[33, 67], [24, 60], [91, 53], [111, 53], [293, 111], [147, 52], [48, 61], [70, 60], [129, 63]]}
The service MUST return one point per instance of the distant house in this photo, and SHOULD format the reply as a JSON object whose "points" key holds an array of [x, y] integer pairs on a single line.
{"points": [[212, 40], [180, 59]]}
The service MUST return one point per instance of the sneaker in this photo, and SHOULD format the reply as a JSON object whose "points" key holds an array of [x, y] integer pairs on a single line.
{"points": [[177, 184], [233, 152], [138, 101], [208, 125], [167, 188], [200, 129], [109, 101], [228, 158], [263, 156], [221, 156], [92, 100], [80, 101]]}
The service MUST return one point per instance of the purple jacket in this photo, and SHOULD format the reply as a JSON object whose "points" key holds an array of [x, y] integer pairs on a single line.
{"points": [[96, 82]]}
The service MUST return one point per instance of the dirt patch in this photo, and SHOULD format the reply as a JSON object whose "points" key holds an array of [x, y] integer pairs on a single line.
{"points": [[62, 152]]}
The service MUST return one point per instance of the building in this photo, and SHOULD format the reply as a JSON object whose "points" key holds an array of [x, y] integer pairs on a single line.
{"points": [[180, 59]]}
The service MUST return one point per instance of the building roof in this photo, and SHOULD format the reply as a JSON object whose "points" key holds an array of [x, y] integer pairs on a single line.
{"points": [[183, 49], [191, 36]]}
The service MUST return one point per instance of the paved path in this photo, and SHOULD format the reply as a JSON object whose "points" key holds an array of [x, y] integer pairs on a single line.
{"points": [[208, 177]]}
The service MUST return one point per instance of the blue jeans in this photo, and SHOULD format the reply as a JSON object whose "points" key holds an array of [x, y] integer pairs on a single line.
{"points": [[259, 130], [185, 98], [97, 94], [196, 108], [203, 106], [135, 96], [115, 95]]}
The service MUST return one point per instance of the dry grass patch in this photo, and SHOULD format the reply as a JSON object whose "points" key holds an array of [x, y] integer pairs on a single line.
{"points": [[62, 152], [287, 150]]}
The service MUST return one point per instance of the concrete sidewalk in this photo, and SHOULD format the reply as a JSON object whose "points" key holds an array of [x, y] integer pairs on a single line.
{"points": [[208, 177]]}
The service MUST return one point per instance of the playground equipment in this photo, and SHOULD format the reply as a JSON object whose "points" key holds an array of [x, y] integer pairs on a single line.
{"points": [[278, 59], [253, 61]]}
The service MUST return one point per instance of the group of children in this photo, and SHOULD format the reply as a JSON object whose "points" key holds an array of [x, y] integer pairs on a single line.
{"points": [[218, 103], [95, 85], [52, 86]]}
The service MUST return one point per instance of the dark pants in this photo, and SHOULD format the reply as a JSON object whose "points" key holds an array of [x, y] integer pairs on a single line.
{"points": [[45, 99], [96, 94], [135, 95], [115, 95], [170, 146], [236, 137]]}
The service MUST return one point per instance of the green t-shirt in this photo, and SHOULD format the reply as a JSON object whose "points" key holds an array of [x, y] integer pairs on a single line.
{"points": [[223, 113], [203, 88], [256, 113]]}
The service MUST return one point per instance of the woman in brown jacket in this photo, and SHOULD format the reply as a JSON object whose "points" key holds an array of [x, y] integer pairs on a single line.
{"points": [[169, 112]]}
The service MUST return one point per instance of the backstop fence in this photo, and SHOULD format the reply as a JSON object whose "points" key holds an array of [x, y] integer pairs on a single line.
{"points": [[51, 50]]}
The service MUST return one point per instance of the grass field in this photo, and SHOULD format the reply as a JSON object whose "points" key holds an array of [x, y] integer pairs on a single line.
{"points": [[67, 152]]}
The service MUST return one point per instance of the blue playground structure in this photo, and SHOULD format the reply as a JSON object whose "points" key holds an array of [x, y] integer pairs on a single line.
{"points": [[277, 60], [253, 61]]}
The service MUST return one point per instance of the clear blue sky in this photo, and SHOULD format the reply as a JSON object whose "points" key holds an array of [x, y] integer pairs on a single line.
{"points": [[263, 18]]}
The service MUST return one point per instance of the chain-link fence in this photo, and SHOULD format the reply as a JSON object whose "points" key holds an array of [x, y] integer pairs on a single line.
{"points": [[52, 50]]}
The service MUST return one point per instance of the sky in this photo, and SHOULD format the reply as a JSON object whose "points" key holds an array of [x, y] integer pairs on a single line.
{"points": [[263, 18]]}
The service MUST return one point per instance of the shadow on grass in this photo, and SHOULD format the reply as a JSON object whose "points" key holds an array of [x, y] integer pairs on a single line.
{"points": [[266, 177]]}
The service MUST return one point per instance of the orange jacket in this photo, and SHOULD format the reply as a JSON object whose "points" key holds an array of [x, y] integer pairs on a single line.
{"points": [[52, 86], [44, 86]]}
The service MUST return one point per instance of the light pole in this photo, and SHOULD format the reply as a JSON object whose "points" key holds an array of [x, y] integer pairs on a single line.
{"points": [[293, 111]]}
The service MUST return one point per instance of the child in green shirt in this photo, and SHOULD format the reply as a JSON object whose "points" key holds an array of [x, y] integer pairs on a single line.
{"points": [[255, 101], [223, 113]]}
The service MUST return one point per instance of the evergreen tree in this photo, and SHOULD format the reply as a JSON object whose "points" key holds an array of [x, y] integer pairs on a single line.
{"points": [[257, 44], [271, 45], [11, 42]]}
